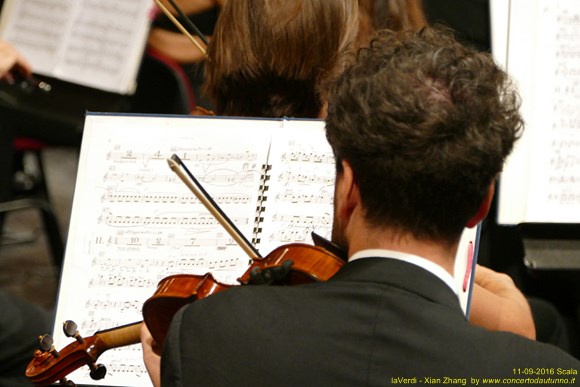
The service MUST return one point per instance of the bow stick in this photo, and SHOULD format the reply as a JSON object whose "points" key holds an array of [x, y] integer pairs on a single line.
{"points": [[180, 26]]}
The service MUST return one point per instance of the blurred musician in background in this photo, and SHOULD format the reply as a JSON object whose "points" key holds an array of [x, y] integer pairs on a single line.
{"points": [[20, 321]]}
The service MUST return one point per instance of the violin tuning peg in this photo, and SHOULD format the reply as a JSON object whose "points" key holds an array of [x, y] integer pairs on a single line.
{"points": [[98, 371], [69, 328], [45, 343]]}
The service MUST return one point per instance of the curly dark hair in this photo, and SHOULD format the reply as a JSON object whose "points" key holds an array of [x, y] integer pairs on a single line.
{"points": [[426, 124]]}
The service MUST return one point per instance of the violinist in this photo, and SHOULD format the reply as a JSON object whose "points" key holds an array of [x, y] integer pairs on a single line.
{"points": [[420, 127], [252, 76]]}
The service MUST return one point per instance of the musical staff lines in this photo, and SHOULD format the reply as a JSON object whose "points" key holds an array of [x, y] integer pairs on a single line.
{"points": [[218, 177], [134, 223], [169, 198], [191, 156], [156, 241], [162, 220], [95, 43]]}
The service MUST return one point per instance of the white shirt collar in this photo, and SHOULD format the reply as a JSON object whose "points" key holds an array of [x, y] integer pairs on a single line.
{"points": [[424, 263]]}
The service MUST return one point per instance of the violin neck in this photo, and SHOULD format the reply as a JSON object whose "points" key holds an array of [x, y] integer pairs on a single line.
{"points": [[116, 337]]}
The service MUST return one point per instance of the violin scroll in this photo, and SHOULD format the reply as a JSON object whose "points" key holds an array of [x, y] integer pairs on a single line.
{"points": [[50, 366]]}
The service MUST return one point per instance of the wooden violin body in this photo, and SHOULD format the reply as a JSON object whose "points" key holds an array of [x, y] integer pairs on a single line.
{"points": [[291, 264]]}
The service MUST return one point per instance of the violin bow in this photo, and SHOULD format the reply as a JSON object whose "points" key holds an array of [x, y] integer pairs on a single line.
{"points": [[180, 169], [180, 26]]}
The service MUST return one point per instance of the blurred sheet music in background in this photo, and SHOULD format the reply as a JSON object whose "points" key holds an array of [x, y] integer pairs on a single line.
{"points": [[95, 43], [537, 42]]}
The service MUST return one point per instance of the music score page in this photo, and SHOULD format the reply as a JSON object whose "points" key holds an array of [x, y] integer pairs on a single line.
{"points": [[134, 222], [95, 43]]}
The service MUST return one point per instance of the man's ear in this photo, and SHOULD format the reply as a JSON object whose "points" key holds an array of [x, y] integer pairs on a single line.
{"points": [[483, 208], [347, 195]]}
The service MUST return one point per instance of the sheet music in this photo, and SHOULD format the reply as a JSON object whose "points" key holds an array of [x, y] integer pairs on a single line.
{"points": [[541, 181], [300, 187], [96, 43], [134, 222]]}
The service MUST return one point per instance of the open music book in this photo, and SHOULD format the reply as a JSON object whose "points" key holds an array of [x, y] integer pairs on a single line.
{"points": [[537, 43], [134, 222], [95, 43]]}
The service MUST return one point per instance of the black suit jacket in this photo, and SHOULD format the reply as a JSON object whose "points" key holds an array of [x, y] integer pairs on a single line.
{"points": [[374, 323]]}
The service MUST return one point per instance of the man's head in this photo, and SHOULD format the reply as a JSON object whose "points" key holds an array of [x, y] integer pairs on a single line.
{"points": [[274, 58], [425, 124]]}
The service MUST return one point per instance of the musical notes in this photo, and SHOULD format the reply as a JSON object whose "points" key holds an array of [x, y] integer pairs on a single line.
{"points": [[117, 155], [37, 28], [125, 220], [298, 199], [290, 196], [307, 157], [299, 177], [164, 242], [169, 198], [96, 43], [134, 223]]}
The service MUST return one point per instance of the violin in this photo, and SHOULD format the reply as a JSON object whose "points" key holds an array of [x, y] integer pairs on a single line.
{"points": [[290, 264]]}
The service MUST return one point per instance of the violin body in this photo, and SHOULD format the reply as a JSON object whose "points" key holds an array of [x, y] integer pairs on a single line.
{"points": [[172, 294], [291, 264]]}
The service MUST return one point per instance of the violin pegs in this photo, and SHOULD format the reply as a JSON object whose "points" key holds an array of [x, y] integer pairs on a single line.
{"points": [[45, 343], [98, 371], [69, 328]]}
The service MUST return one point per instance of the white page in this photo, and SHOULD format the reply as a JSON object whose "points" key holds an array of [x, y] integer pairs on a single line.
{"points": [[301, 185], [95, 43], [105, 44], [541, 180], [499, 19], [134, 222], [37, 28]]}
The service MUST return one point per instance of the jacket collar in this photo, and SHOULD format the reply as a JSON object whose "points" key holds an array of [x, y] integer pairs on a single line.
{"points": [[399, 274]]}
